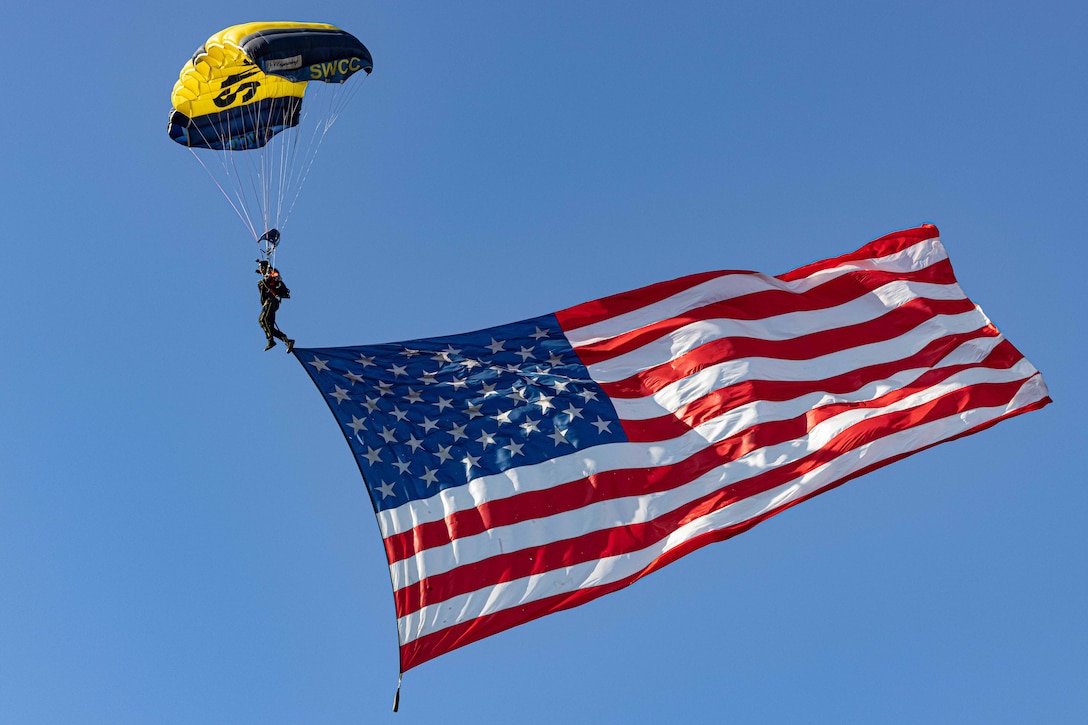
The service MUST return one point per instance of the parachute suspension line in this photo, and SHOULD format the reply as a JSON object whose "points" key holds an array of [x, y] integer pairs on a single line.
{"points": [[236, 202], [334, 98], [266, 176], [298, 148], [258, 172], [244, 216], [229, 160], [288, 151]]}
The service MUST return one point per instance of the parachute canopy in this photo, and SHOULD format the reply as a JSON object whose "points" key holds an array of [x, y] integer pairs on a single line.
{"points": [[249, 94], [246, 83]]}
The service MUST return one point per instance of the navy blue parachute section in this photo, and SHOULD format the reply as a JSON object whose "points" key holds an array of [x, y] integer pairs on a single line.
{"points": [[236, 129], [308, 54]]}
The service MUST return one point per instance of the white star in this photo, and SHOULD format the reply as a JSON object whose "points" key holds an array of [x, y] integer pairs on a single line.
{"points": [[398, 413], [488, 389], [413, 442], [413, 396], [458, 432], [386, 489], [573, 412], [530, 426], [517, 394], [470, 460], [402, 466], [526, 353], [515, 449], [371, 404], [428, 476], [554, 360], [560, 385], [539, 334], [374, 455], [496, 346], [319, 364], [588, 395], [340, 394], [503, 416], [486, 439], [545, 402], [444, 454], [443, 403], [354, 378], [364, 361], [398, 370], [559, 436], [428, 425], [389, 435], [409, 352], [385, 388], [469, 363], [473, 411], [458, 383], [428, 378], [602, 425], [357, 424]]}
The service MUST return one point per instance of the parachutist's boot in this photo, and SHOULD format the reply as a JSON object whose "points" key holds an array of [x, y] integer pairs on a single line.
{"points": [[290, 345], [271, 344]]}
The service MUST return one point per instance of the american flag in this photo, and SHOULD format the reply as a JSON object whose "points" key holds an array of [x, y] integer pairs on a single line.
{"points": [[529, 468]]}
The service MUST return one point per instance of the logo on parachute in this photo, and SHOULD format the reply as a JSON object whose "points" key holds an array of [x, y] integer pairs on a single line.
{"points": [[292, 63], [229, 95], [335, 69]]}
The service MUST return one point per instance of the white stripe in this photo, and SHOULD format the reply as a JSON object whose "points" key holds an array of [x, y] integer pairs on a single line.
{"points": [[916, 257], [787, 326], [492, 599], [674, 396], [632, 510]]}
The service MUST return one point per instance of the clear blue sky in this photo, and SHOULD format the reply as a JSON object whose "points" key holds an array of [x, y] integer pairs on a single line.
{"points": [[184, 537]]}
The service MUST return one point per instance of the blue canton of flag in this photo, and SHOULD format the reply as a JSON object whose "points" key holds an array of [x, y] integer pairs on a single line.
{"points": [[425, 415]]}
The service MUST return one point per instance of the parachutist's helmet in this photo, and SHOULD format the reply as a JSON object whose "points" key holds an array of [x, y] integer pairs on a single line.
{"points": [[263, 266]]}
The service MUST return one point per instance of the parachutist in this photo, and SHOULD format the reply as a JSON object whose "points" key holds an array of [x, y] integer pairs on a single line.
{"points": [[272, 290]]}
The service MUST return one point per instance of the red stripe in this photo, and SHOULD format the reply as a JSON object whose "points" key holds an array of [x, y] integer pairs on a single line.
{"points": [[722, 400], [886, 245], [432, 645], [893, 324], [589, 313], [634, 537], [601, 309], [762, 305]]}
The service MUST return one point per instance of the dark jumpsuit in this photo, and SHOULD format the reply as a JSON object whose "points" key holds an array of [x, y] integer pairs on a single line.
{"points": [[272, 289]]}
